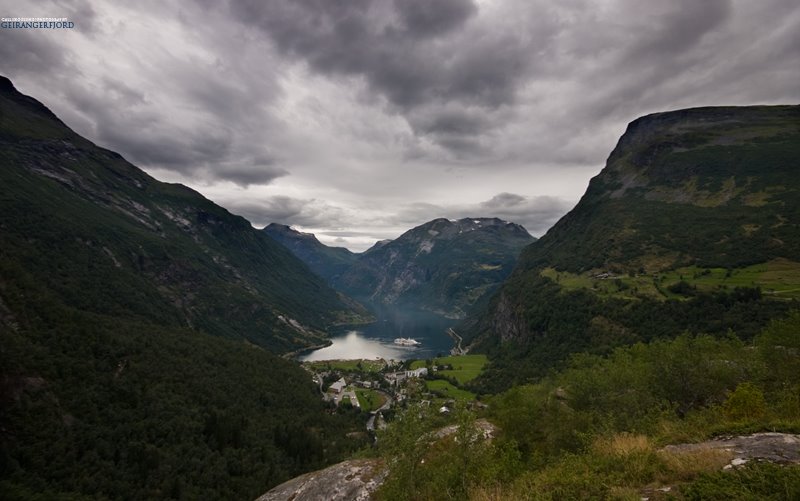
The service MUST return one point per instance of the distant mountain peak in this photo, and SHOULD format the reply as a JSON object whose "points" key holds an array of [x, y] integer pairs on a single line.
{"points": [[288, 230], [8, 90], [443, 265], [327, 262]]}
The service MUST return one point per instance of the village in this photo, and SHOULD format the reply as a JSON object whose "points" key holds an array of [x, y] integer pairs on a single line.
{"points": [[377, 387]]}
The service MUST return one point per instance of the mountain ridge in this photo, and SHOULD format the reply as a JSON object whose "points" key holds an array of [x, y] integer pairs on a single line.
{"points": [[443, 266], [326, 261], [692, 225], [167, 242], [141, 326]]}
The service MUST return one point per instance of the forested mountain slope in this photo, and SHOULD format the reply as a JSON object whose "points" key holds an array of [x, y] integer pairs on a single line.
{"points": [[137, 321], [328, 262], [691, 226], [105, 237]]}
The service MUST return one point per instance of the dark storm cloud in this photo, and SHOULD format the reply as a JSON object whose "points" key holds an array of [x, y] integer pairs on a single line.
{"points": [[175, 109], [26, 52], [681, 28], [536, 214], [368, 105], [309, 213], [426, 18], [660, 51], [153, 142], [455, 122], [413, 53]]}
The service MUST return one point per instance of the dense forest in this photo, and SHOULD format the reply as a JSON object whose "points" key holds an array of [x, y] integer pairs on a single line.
{"points": [[98, 406]]}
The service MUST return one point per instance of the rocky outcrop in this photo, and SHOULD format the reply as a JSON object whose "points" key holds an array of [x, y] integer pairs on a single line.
{"points": [[506, 322], [781, 448], [354, 480]]}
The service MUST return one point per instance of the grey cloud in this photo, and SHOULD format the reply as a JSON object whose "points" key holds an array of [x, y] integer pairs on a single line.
{"points": [[536, 214], [309, 213], [454, 122], [681, 28], [155, 142], [502, 200], [414, 53], [24, 51], [372, 102], [80, 12], [258, 172], [177, 110], [345, 233], [426, 18]]}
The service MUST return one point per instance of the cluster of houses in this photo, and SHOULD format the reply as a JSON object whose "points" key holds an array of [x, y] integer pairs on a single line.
{"points": [[395, 378], [340, 389], [396, 385]]}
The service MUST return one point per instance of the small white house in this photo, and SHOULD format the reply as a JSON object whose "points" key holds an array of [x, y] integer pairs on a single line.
{"points": [[338, 386], [421, 372]]}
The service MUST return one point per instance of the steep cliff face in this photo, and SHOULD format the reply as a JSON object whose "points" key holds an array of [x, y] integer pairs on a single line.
{"points": [[442, 266], [692, 206], [705, 186]]}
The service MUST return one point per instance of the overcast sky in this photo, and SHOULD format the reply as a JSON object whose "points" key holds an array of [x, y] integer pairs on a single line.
{"points": [[358, 119]]}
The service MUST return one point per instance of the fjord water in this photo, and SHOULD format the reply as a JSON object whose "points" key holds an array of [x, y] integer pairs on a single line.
{"points": [[377, 339]]}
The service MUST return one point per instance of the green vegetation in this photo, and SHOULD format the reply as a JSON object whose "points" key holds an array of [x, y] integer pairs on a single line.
{"points": [[779, 278], [427, 465], [595, 430], [445, 389], [465, 368], [561, 323], [671, 195], [756, 482], [369, 400], [691, 226], [347, 365], [100, 406]]}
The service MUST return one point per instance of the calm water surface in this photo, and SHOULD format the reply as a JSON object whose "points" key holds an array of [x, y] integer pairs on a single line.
{"points": [[376, 340]]}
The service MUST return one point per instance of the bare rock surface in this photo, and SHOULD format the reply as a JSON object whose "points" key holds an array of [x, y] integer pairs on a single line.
{"points": [[782, 448], [353, 480]]}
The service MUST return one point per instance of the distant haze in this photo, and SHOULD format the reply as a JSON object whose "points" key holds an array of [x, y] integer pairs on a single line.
{"points": [[357, 120]]}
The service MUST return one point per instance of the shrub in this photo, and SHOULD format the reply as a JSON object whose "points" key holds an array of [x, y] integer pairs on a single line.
{"points": [[746, 403]]}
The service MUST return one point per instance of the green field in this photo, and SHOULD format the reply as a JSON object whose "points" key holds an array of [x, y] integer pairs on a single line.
{"points": [[447, 390], [779, 278], [369, 400], [347, 365], [465, 367]]}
